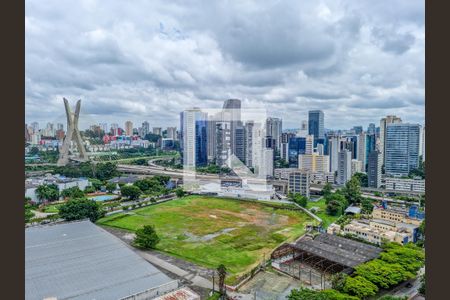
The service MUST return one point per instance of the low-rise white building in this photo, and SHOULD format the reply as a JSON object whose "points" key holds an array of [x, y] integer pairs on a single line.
{"points": [[31, 184], [405, 184]]}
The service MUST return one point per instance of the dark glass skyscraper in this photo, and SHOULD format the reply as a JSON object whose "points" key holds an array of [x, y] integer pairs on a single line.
{"points": [[316, 125], [297, 145]]}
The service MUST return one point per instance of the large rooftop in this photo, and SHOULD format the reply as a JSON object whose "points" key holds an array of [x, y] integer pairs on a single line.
{"points": [[80, 260], [346, 252]]}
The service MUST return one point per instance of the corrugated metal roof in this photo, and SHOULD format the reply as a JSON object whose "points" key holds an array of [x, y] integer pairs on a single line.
{"points": [[80, 260], [344, 251]]}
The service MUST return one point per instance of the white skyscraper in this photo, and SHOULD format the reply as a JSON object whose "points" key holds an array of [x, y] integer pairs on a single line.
{"points": [[333, 151], [309, 144]]}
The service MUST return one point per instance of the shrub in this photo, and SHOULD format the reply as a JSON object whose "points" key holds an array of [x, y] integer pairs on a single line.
{"points": [[146, 237]]}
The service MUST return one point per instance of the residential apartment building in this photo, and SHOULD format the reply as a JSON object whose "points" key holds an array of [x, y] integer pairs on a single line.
{"points": [[299, 182], [314, 162]]}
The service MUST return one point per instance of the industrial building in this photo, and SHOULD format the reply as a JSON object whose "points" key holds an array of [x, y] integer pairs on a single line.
{"points": [[314, 260], [79, 260]]}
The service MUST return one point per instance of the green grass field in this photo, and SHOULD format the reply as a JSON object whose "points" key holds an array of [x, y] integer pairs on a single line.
{"points": [[209, 231], [327, 219]]}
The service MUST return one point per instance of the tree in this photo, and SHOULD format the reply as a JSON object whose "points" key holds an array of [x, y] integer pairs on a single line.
{"points": [[363, 179], [338, 281], [422, 284], [111, 187], [352, 190], [367, 206], [130, 191], [72, 192], [360, 287], [298, 198], [422, 230], [146, 237], [89, 189], [179, 192], [97, 184], [28, 213], [307, 294], [34, 151], [334, 208], [77, 209], [383, 274], [48, 192], [222, 272], [326, 190], [105, 171], [152, 137]]}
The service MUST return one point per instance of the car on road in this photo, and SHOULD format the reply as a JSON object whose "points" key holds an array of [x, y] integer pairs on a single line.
{"points": [[408, 285]]}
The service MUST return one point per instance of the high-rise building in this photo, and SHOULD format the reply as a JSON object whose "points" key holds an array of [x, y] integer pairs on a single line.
{"points": [[193, 141], [423, 143], [27, 133], [297, 146], [357, 166], [383, 124], [35, 126], [222, 142], [248, 130], [128, 128], [274, 127], [374, 169], [344, 166], [266, 168], [316, 124], [371, 129], [232, 113], [303, 130], [239, 150], [284, 150], [157, 131], [366, 144], [402, 148], [334, 146], [258, 135], [299, 182], [314, 163], [145, 128], [211, 137], [358, 129], [172, 133], [309, 144], [115, 129], [60, 126]]}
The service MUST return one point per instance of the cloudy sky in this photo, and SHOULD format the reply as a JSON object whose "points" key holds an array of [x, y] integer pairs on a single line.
{"points": [[148, 60]]}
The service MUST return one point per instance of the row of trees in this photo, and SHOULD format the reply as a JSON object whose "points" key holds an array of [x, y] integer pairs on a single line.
{"points": [[350, 194], [100, 171], [150, 186], [50, 192], [396, 264]]}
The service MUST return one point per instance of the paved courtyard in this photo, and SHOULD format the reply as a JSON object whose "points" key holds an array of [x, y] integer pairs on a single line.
{"points": [[270, 286]]}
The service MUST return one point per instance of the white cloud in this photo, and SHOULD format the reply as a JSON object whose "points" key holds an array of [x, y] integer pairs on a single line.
{"points": [[357, 61]]}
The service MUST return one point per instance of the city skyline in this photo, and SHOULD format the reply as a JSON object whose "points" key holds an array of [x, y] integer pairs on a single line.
{"points": [[357, 62]]}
